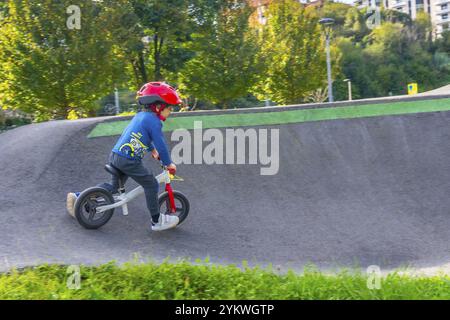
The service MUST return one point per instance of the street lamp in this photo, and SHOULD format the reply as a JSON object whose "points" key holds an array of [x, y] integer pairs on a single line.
{"points": [[349, 82], [327, 25]]}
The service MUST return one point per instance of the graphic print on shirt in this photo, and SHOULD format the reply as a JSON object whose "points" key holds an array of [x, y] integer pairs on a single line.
{"points": [[134, 148]]}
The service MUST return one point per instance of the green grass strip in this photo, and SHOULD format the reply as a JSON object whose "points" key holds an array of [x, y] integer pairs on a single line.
{"points": [[186, 281], [284, 117]]}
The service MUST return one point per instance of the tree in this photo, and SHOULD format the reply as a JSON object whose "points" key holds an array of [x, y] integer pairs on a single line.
{"points": [[443, 43], [402, 56], [168, 25], [50, 70], [395, 16], [355, 26], [292, 48], [389, 58], [225, 66], [355, 67], [338, 11], [125, 30], [3, 11]]}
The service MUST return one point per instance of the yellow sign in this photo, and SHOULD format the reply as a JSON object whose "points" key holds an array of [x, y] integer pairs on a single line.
{"points": [[412, 88]]}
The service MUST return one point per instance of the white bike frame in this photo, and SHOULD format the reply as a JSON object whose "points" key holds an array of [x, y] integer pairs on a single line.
{"points": [[123, 198]]}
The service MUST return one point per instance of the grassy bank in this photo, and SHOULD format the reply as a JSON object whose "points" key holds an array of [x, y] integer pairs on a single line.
{"points": [[186, 281], [285, 117]]}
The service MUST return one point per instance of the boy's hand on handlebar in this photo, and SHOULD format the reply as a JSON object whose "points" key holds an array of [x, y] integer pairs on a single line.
{"points": [[172, 168], [155, 154]]}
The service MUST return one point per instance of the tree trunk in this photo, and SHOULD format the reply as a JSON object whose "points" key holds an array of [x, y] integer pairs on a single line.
{"points": [[141, 63], [137, 78], [61, 112], [195, 104], [140, 73], [224, 105], [158, 43]]}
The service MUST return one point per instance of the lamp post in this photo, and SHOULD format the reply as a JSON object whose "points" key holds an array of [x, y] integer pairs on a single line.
{"points": [[349, 82], [327, 24]]}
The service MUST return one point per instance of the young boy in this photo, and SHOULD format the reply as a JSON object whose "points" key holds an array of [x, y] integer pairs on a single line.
{"points": [[144, 135]]}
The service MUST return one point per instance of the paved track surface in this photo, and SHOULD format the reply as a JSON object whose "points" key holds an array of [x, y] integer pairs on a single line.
{"points": [[439, 91], [348, 193]]}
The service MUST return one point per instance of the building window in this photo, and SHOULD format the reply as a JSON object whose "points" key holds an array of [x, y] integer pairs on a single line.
{"points": [[445, 16], [444, 6]]}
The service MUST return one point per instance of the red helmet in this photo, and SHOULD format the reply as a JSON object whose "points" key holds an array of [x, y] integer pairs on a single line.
{"points": [[158, 92]]}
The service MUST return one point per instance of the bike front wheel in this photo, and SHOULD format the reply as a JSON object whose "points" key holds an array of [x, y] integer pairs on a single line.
{"points": [[181, 203], [86, 204]]}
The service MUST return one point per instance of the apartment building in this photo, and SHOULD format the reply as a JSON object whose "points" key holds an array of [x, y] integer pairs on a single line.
{"points": [[440, 15], [439, 10]]}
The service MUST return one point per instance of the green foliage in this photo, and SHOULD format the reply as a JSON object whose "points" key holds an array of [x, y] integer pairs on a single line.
{"points": [[395, 16], [184, 280], [49, 69], [292, 49], [168, 25], [341, 13], [392, 55], [213, 50], [225, 65], [125, 31], [318, 96], [3, 11], [355, 27], [443, 44]]}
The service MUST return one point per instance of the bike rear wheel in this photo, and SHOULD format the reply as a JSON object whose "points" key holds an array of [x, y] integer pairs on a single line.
{"points": [[87, 202], [181, 203]]}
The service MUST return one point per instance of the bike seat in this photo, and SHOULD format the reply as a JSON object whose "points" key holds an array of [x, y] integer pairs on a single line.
{"points": [[114, 171]]}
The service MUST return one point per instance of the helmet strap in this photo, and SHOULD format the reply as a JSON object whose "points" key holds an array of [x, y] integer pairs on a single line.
{"points": [[154, 109]]}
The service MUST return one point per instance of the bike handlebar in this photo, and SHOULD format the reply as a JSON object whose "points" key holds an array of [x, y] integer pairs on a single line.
{"points": [[171, 171]]}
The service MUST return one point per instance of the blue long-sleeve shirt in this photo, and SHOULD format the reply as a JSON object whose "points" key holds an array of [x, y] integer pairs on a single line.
{"points": [[142, 135]]}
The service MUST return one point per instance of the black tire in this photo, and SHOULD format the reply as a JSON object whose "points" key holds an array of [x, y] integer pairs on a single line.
{"points": [[86, 203], [181, 202]]}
